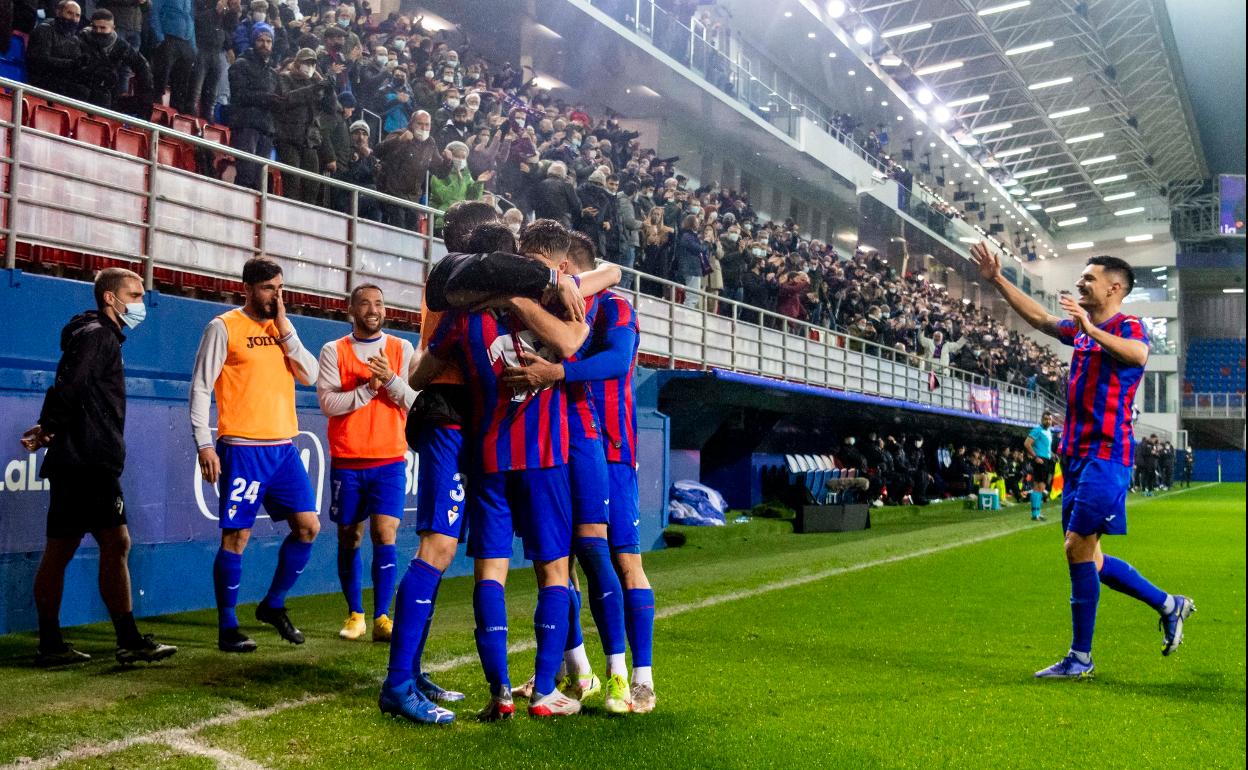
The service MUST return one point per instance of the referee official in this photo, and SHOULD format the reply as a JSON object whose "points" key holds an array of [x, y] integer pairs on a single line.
{"points": [[1039, 444], [82, 424]]}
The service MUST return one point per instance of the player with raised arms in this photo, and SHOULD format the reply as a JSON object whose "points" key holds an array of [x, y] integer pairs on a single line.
{"points": [[362, 388], [250, 358], [1097, 446]]}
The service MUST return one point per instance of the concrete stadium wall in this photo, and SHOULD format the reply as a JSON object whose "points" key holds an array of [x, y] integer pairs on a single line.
{"points": [[170, 511]]}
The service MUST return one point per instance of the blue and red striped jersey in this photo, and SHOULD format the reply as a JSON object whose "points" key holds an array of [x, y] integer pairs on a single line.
{"points": [[513, 431], [1101, 393], [608, 370], [582, 417]]}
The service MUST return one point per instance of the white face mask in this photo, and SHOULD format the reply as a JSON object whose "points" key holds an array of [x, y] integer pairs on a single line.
{"points": [[459, 164], [429, 74], [520, 122], [448, 78], [452, 103], [259, 16], [307, 69], [850, 440], [734, 237], [421, 135], [514, 227]]}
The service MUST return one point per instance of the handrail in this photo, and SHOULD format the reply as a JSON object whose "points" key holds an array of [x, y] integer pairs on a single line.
{"points": [[775, 345], [1213, 406]]}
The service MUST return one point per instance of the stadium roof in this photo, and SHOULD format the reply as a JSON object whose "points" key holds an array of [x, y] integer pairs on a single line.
{"points": [[1083, 96]]}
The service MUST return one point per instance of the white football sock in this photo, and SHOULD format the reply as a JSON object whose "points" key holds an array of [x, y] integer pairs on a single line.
{"points": [[616, 665], [643, 675], [577, 661]]}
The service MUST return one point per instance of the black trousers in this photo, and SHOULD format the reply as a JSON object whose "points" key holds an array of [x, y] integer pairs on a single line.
{"points": [[174, 67]]}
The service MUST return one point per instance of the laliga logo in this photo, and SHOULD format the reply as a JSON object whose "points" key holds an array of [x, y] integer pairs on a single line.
{"points": [[311, 452]]}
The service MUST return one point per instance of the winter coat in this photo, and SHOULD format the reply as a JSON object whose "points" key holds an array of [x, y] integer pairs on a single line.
{"points": [[255, 94]]}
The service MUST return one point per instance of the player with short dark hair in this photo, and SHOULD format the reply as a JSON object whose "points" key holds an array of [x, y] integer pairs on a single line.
{"points": [[82, 424], [250, 358], [1097, 445], [1039, 444], [362, 388]]}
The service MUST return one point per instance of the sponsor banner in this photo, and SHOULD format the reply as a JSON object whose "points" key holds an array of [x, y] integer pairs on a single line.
{"points": [[985, 400], [166, 500]]}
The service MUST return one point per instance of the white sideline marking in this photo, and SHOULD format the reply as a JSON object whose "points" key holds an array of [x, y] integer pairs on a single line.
{"points": [[181, 738]]}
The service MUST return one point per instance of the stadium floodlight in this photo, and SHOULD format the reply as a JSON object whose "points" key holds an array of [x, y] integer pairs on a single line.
{"points": [[890, 60], [968, 239], [924, 96], [1051, 83], [1129, 212], [1017, 191], [1110, 179], [1074, 221], [811, 35], [1012, 152], [1080, 245], [1119, 196], [1006, 126], [1068, 113], [1098, 160], [863, 35], [1047, 192], [831, 54], [1086, 137], [1161, 269], [1014, 6], [836, 9], [906, 30], [942, 114], [883, 102], [1232, 291], [1022, 49], [1030, 172], [851, 73], [1059, 207], [968, 100], [967, 140], [932, 69], [1141, 239]]}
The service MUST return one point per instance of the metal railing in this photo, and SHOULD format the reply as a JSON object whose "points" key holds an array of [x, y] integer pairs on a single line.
{"points": [[1213, 406], [65, 194]]}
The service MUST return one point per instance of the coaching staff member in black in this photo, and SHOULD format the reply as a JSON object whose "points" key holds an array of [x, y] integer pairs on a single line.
{"points": [[82, 424]]}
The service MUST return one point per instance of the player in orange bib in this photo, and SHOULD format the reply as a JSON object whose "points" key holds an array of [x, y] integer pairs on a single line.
{"points": [[250, 358], [362, 388]]}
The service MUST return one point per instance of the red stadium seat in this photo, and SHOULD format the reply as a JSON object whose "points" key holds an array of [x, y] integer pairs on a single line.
{"points": [[187, 124], [93, 131], [162, 115], [216, 133], [54, 120], [131, 142], [6, 106]]}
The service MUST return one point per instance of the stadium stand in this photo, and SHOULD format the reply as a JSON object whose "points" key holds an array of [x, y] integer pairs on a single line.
{"points": [[1214, 366]]}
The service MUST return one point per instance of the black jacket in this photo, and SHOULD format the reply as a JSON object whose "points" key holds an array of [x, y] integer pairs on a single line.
{"points": [[255, 93], [497, 273], [103, 60], [556, 199], [54, 60], [85, 409]]}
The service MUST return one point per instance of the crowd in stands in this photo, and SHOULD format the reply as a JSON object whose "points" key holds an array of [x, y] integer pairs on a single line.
{"points": [[447, 124]]}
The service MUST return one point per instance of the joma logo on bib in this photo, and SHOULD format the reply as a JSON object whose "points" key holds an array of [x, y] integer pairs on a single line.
{"points": [[261, 341]]}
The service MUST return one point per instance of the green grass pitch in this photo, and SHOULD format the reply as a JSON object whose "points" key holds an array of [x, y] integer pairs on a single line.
{"points": [[909, 645]]}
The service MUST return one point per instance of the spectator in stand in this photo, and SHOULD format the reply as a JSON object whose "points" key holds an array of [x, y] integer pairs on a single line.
{"points": [[486, 148], [457, 129], [361, 170], [337, 139], [54, 56], [106, 59], [597, 209], [257, 13], [399, 103], [405, 161], [792, 288], [457, 184], [212, 18], [372, 74], [255, 93], [554, 198], [689, 258], [733, 263], [127, 18], [334, 62], [714, 280], [173, 33], [305, 94], [630, 229]]}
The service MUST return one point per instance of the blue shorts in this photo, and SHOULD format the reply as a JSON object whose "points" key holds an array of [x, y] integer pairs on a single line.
{"points": [[440, 481], [357, 493], [531, 503], [624, 529], [251, 476], [587, 475], [1094, 496]]}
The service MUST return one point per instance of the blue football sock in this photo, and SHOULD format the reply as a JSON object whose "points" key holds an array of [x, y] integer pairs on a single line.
{"points": [[639, 620], [227, 574], [606, 597], [411, 610], [292, 557], [489, 605], [385, 560], [1122, 577], [350, 567], [550, 624], [1085, 592], [424, 635], [1036, 499], [575, 637]]}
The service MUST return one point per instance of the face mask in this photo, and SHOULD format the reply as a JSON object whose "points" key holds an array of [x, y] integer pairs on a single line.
{"points": [[134, 314], [420, 135], [734, 237], [307, 69], [759, 252], [103, 38], [452, 103], [343, 22], [458, 164], [918, 444], [66, 26], [448, 78], [514, 227], [519, 122], [399, 44], [258, 16], [695, 209], [850, 440], [428, 74]]}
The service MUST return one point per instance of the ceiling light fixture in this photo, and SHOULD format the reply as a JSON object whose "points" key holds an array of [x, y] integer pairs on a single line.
{"points": [[1017, 191], [969, 100], [1097, 160], [1119, 196], [992, 127], [1141, 239], [924, 96], [1051, 83], [1085, 137], [1030, 172], [932, 69], [1012, 152], [811, 35], [942, 114], [1110, 179], [836, 9], [1068, 113], [906, 30], [1059, 207], [1080, 245], [851, 73], [1022, 49], [1069, 222], [1047, 191], [1232, 291], [831, 54], [890, 60], [1014, 6], [863, 35], [1129, 212]]}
